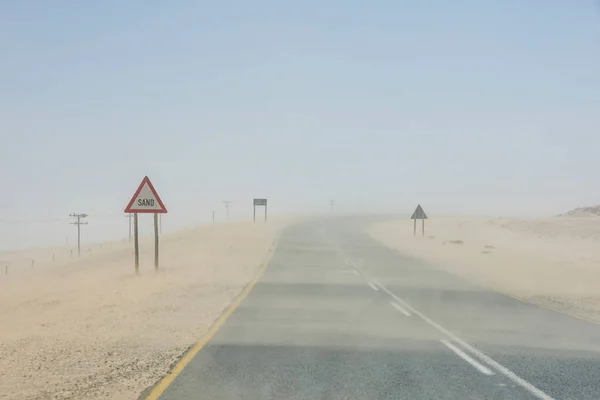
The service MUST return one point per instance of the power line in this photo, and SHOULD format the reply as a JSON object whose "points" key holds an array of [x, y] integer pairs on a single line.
{"points": [[78, 223], [32, 221]]}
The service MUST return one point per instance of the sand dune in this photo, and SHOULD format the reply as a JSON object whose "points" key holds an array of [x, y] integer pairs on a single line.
{"points": [[90, 328], [554, 262]]}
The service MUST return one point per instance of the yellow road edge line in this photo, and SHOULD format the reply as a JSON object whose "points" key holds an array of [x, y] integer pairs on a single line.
{"points": [[160, 388]]}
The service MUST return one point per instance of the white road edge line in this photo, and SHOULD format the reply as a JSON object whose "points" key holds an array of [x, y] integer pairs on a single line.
{"points": [[373, 286], [484, 370], [399, 308], [482, 356]]}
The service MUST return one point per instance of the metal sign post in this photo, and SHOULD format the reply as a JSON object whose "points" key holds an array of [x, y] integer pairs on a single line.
{"points": [[419, 214], [145, 200], [136, 243], [155, 241], [260, 202]]}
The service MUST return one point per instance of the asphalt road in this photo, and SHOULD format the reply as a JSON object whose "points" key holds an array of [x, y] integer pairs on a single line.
{"points": [[336, 315]]}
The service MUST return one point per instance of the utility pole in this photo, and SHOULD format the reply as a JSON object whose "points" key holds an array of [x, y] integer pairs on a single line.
{"points": [[129, 216], [78, 223], [332, 204], [227, 205]]}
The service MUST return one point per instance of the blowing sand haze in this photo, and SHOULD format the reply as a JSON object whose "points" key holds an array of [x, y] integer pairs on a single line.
{"points": [[92, 329], [554, 262]]}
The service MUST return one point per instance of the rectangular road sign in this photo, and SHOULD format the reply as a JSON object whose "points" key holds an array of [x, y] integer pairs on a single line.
{"points": [[146, 200], [260, 202]]}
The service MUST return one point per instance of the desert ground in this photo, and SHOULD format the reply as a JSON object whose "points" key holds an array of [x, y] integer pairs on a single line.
{"points": [[553, 262], [87, 327]]}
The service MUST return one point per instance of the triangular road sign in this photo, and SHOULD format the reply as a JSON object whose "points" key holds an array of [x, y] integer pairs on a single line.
{"points": [[419, 213], [146, 200]]}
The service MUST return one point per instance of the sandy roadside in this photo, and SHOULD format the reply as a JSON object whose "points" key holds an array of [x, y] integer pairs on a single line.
{"points": [[90, 328], [553, 262]]}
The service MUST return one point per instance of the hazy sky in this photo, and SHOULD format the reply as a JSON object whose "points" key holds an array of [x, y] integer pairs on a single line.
{"points": [[466, 106]]}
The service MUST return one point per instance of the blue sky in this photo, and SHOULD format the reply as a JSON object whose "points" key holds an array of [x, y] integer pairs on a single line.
{"points": [[467, 106]]}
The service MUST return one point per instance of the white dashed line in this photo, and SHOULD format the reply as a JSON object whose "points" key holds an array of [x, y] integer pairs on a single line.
{"points": [[467, 358], [404, 308], [480, 355], [373, 286], [399, 308], [346, 271]]}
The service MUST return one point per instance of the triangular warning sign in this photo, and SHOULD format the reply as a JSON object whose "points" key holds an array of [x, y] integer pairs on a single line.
{"points": [[419, 213], [146, 200]]}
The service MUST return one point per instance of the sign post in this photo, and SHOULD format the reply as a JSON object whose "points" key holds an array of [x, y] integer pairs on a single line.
{"points": [[136, 243], [260, 202], [419, 214], [156, 241], [145, 201]]}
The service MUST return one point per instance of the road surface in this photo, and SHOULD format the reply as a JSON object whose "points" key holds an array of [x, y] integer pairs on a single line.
{"points": [[336, 315]]}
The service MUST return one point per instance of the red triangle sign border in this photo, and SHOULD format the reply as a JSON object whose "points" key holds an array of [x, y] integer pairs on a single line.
{"points": [[146, 180]]}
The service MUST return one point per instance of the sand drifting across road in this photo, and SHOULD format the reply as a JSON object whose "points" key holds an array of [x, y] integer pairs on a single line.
{"points": [[553, 262], [90, 328]]}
